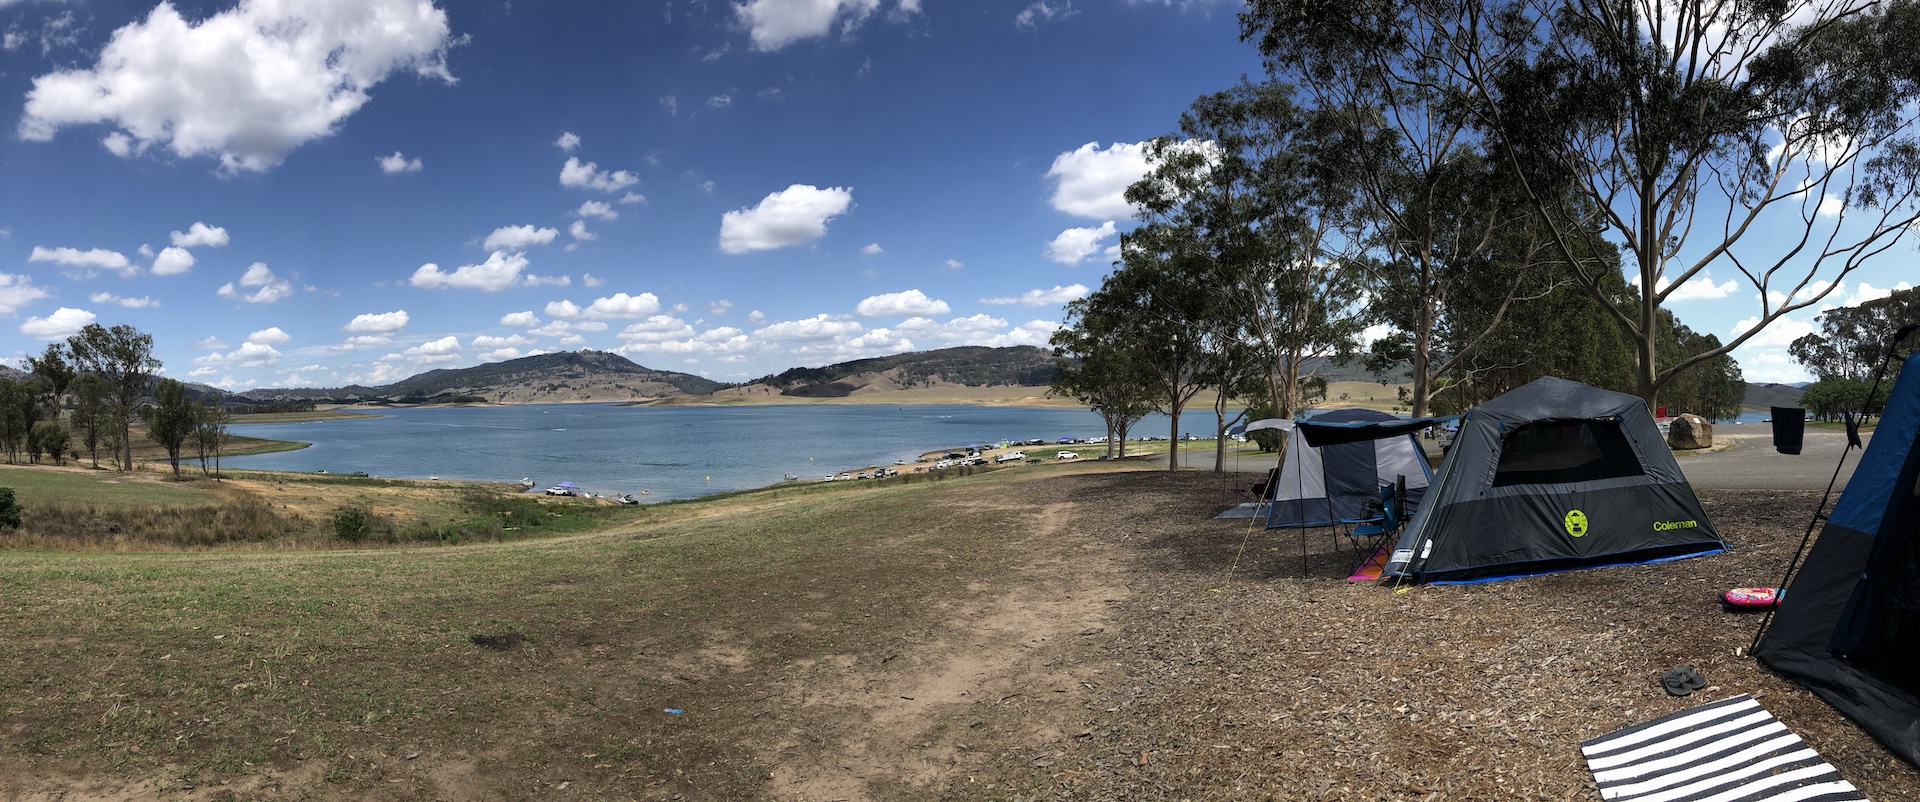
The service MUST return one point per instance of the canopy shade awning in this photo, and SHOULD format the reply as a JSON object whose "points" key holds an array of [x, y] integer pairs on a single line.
{"points": [[1321, 435]]}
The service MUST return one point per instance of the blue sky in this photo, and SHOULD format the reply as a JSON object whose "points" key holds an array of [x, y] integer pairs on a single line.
{"points": [[311, 194]]}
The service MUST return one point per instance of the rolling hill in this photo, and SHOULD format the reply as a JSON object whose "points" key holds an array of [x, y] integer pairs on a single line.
{"points": [[965, 366], [544, 378]]}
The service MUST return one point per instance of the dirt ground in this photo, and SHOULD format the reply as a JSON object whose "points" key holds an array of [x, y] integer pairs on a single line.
{"points": [[1104, 639]]}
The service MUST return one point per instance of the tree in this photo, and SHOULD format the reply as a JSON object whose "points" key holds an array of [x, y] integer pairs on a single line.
{"points": [[52, 439], [19, 411], [1158, 301], [123, 357], [210, 432], [1681, 128], [90, 412], [171, 419], [53, 369], [1099, 366], [1852, 340]]}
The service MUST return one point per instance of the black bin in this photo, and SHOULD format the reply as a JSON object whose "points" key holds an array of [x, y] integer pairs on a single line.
{"points": [[1789, 429]]}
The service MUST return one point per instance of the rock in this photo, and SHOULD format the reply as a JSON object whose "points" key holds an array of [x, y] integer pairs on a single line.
{"points": [[1690, 431]]}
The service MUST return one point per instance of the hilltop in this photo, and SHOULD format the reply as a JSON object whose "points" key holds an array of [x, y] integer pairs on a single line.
{"points": [[541, 379], [1021, 366]]}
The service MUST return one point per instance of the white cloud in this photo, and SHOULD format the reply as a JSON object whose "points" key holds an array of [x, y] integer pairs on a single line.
{"points": [[16, 292], [526, 318], [213, 343], [1778, 334], [445, 346], [756, 317], [819, 327], [954, 264], [518, 238], [1053, 297], [142, 302], [246, 85], [1040, 11], [1868, 292], [93, 257], [378, 322], [172, 261], [617, 306], [248, 355], [270, 336], [500, 271], [598, 210], [268, 287], [722, 340], [63, 323], [1076, 244], [671, 104], [910, 302], [872, 248], [774, 24], [568, 141], [489, 341], [364, 341], [719, 101], [590, 176], [657, 328], [591, 280], [1093, 182], [578, 230], [631, 198], [791, 216], [398, 163], [719, 307], [200, 234]]}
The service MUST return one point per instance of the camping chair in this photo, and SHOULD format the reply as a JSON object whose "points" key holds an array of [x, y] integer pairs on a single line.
{"points": [[1368, 533]]}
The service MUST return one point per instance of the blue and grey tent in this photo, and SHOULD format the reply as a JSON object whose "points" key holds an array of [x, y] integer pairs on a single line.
{"points": [[1848, 627], [1551, 476], [1321, 486]]}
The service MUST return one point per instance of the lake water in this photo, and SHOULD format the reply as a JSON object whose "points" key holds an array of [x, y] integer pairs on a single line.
{"points": [[670, 452]]}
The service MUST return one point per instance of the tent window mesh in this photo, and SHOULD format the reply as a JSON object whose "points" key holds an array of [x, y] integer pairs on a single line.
{"points": [[1561, 451]]}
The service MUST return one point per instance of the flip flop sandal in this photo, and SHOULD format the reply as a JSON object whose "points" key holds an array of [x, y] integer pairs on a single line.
{"points": [[1682, 681]]}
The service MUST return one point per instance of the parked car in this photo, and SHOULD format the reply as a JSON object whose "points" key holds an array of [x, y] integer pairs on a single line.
{"points": [[1011, 456], [561, 491], [1066, 455]]}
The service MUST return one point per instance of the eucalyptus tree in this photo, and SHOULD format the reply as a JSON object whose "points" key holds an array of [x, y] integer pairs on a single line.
{"points": [[122, 357], [1852, 340], [1099, 366], [171, 419], [1769, 139], [90, 413], [210, 433], [1259, 215], [55, 373]]}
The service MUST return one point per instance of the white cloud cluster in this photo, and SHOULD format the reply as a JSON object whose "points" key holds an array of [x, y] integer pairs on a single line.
{"points": [[872, 249], [598, 210], [268, 287], [250, 354], [588, 175], [272, 335], [791, 216], [619, 306], [201, 235], [90, 258], [1035, 298], [1092, 182], [16, 292], [568, 141], [398, 163], [381, 323], [1039, 11], [910, 302], [774, 24], [526, 318], [518, 238], [246, 85], [1698, 288], [142, 302], [501, 270], [63, 323], [1076, 244], [172, 261]]}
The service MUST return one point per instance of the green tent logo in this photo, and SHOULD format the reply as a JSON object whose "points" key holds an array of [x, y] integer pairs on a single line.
{"points": [[1576, 522]]}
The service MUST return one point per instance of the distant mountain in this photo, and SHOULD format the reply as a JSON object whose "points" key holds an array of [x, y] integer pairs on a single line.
{"points": [[1773, 395], [966, 366], [545, 378]]}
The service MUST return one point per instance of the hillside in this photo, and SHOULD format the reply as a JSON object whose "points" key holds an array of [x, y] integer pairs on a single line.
{"points": [[1762, 395], [545, 378], [966, 366]]}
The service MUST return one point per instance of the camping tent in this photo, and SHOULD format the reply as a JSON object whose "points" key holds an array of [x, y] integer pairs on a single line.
{"points": [[1319, 486], [1848, 627], [1551, 476]]}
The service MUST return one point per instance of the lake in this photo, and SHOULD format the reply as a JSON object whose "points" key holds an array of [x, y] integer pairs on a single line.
{"points": [[670, 452]]}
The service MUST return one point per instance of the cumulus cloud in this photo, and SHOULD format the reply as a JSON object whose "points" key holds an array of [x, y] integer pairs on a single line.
{"points": [[248, 355], [212, 343], [398, 163], [172, 261], [518, 238], [910, 302], [791, 216], [819, 327], [657, 328], [142, 302], [445, 346], [1076, 244], [526, 318], [720, 307], [591, 280], [589, 176], [378, 322], [1029, 18], [614, 307], [1698, 288], [872, 248], [1053, 297], [268, 287], [500, 271], [63, 323], [200, 234], [578, 230], [721, 340], [568, 141], [92, 257], [270, 336], [598, 210], [632, 198], [774, 24], [246, 85], [17, 291], [1091, 182], [490, 341]]}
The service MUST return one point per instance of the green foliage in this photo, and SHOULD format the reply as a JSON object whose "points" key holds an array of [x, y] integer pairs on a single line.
{"points": [[171, 419], [51, 439], [90, 413], [352, 524], [1852, 340], [122, 357], [1830, 398], [20, 409], [9, 509]]}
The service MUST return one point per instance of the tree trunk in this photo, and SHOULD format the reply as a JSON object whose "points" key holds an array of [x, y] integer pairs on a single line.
{"points": [[1173, 442]]}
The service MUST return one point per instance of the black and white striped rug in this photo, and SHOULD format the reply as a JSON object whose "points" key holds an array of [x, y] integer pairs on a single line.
{"points": [[1732, 749]]}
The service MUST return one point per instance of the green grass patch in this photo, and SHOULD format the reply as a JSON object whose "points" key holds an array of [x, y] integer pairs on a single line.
{"points": [[35, 487]]}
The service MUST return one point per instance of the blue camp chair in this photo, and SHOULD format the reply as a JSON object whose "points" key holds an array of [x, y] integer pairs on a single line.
{"points": [[1382, 521]]}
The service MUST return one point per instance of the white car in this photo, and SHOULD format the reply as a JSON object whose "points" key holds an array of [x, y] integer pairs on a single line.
{"points": [[1066, 455], [1011, 456]]}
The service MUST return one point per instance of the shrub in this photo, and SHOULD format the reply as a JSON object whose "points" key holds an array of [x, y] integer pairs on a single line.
{"points": [[9, 509], [352, 524]]}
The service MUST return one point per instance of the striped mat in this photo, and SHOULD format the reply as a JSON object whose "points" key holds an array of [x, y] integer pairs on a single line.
{"points": [[1732, 749]]}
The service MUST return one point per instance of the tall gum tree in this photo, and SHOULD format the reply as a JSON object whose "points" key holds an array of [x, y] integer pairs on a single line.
{"points": [[1769, 139]]}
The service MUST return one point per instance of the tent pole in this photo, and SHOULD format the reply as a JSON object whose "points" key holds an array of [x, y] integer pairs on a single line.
{"points": [[1853, 441]]}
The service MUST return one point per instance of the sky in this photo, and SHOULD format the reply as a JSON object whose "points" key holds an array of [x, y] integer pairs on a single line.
{"points": [[290, 193]]}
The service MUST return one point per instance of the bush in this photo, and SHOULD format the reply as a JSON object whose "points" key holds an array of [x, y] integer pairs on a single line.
{"points": [[352, 524], [9, 509]]}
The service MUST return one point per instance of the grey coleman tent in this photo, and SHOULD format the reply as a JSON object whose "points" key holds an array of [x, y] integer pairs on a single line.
{"points": [[1551, 476], [1848, 627], [1320, 486]]}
